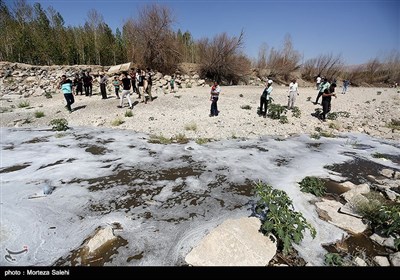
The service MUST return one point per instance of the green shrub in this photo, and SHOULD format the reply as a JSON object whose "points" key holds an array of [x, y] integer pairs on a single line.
{"points": [[128, 113], [159, 139], [246, 107], [378, 155], [332, 116], [202, 141], [279, 218], [39, 114], [283, 120], [59, 124], [180, 138], [315, 136], [333, 259], [313, 185], [383, 217], [276, 110], [23, 104], [240, 95], [296, 112], [48, 95], [117, 122]]}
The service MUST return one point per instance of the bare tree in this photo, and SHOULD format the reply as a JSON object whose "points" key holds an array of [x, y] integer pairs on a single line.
{"points": [[152, 41], [221, 59], [282, 63], [262, 56], [324, 65]]}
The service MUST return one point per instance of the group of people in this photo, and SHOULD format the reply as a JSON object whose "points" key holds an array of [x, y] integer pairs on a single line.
{"points": [[139, 81], [325, 90]]}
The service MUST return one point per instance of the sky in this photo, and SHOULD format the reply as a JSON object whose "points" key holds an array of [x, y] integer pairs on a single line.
{"points": [[165, 197], [358, 30]]}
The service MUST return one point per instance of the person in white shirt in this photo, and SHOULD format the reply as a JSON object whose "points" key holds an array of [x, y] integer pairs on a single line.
{"points": [[318, 81], [293, 92]]}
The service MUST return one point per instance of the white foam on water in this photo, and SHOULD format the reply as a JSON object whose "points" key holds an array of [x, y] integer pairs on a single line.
{"points": [[166, 197]]}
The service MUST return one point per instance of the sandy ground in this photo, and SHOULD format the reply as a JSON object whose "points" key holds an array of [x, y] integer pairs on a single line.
{"points": [[187, 112]]}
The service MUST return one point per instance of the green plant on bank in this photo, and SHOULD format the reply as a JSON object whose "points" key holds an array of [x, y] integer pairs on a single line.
{"points": [[240, 95], [379, 155], [315, 135], [279, 218], [59, 124], [333, 126], [276, 110], [159, 139], [23, 104], [394, 124], [246, 107], [39, 114], [352, 143], [283, 120], [48, 95], [60, 135], [201, 141], [296, 112], [383, 216], [327, 134], [191, 126], [313, 185], [332, 116], [180, 138], [117, 122], [128, 113], [333, 259]]}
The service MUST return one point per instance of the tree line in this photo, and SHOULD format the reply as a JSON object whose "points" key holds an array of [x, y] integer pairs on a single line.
{"points": [[30, 34]]}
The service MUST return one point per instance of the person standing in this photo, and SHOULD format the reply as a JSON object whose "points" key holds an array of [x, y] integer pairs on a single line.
{"points": [[325, 85], [126, 87], [78, 84], [103, 82], [326, 101], [264, 99], [88, 84], [293, 92], [172, 84], [215, 91], [345, 86], [66, 87], [116, 83], [149, 79], [318, 82]]}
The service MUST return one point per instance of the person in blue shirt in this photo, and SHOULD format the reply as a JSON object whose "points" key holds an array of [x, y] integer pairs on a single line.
{"points": [[66, 87]]}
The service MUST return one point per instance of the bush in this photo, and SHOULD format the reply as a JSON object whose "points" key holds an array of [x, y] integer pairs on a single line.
{"points": [[296, 112], [39, 114], [276, 110], [117, 122], [278, 217], [128, 113], [333, 259], [246, 107], [23, 104], [48, 95], [313, 185], [201, 141], [59, 124], [283, 120]]}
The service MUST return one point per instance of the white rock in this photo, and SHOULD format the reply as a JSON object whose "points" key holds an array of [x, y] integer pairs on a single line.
{"points": [[395, 259], [234, 243], [103, 236], [381, 261]]}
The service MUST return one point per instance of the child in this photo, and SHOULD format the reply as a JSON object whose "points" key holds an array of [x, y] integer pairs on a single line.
{"points": [[116, 84]]}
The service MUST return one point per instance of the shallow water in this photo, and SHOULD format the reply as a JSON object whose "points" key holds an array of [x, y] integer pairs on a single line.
{"points": [[164, 197]]}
